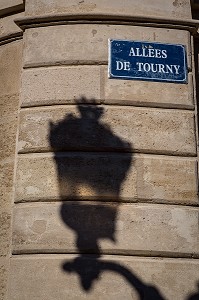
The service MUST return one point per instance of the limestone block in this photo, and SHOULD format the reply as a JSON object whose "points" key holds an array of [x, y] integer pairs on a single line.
{"points": [[6, 192], [6, 182], [8, 132], [59, 85], [4, 265], [8, 26], [111, 277], [9, 105], [62, 85], [5, 225], [158, 94], [88, 43], [10, 68], [170, 9], [106, 176], [119, 129], [130, 229]]}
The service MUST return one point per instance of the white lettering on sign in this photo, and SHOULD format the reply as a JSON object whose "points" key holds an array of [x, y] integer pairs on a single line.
{"points": [[148, 52], [158, 68], [148, 67], [120, 65]]}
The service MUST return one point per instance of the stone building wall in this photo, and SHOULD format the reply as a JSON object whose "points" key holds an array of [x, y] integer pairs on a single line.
{"points": [[10, 70], [101, 193]]}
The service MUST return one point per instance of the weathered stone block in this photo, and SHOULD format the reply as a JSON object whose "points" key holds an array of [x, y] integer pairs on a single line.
{"points": [[9, 105], [8, 26], [74, 227], [113, 278], [168, 178], [158, 94], [106, 177], [8, 132], [170, 9], [10, 68], [5, 225], [64, 85], [89, 42], [119, 129], [89, 45], [4, 273], [59, 85]]}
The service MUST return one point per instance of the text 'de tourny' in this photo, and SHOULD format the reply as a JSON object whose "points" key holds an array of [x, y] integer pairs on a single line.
{"points": [[147, 61]]}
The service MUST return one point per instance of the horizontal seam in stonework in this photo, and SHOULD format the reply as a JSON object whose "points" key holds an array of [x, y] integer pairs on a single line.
{"points": [[136, 254], [10, 38], [73, 63], [77, 63], [104, 104], [137, 203], [28, 21], [114, 152]]}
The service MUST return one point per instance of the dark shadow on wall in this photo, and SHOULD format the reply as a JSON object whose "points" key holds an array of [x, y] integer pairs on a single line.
{"points": [[97, 177], [194, 296], [90, 268]]}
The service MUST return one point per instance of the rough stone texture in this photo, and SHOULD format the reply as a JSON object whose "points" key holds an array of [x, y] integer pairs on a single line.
{"points": [[118, 129], [63, 85], [10, 67], [89, 42], [6, 196], [118, 278], [9, 101], [4, 265], [9, 105], [8, 131], [9, 3], [8, 27], [106, 176], [5, 223], [169, 9], [119, 229], [59, 85], [127, 92]]}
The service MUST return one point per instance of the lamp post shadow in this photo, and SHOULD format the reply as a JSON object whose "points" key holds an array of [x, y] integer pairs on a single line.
{"points": [[90, 185]]}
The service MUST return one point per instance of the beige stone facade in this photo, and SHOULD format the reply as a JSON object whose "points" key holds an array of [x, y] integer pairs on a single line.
{"points": [[99, 176]]}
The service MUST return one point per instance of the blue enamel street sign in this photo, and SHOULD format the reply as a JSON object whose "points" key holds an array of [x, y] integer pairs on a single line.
{"points": [[147, 61]]}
